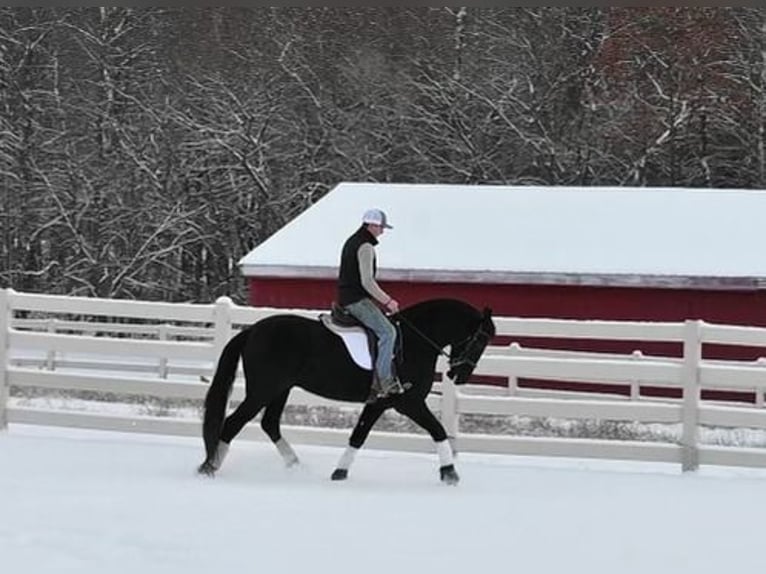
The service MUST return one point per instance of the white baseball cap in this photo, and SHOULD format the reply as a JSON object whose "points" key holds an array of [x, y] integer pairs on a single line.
{"points": [[376, 217]]}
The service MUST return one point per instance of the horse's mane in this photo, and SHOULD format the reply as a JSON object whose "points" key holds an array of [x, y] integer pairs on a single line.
{"points": [[449, 310], [441, 304]]}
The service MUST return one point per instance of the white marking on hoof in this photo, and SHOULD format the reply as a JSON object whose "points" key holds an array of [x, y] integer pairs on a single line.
{"points": [[220, 455], [347, 459], [287, 452], [444, 450]]}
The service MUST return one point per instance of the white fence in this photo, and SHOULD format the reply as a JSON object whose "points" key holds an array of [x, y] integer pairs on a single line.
{"points": [[169, 351]]}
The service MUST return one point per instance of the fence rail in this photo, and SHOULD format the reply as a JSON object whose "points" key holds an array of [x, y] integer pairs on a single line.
{"points": [[169, 351]]}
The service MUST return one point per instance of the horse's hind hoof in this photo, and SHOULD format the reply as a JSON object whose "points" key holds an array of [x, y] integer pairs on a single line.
{"points": [[448, 474], [339, 474], [207, 469], [292, 462]]}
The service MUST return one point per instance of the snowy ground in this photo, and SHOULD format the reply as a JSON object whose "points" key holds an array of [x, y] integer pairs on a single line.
{"points": [[92, 502]]}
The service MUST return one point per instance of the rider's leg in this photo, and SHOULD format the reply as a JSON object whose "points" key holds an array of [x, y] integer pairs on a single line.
{"points": [[372, 317]]}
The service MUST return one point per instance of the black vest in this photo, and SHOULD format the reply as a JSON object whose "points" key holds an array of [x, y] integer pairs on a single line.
{"points": [[350, 288]]}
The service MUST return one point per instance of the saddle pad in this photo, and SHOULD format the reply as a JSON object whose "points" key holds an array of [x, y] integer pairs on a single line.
{"points": [[355, 339]]}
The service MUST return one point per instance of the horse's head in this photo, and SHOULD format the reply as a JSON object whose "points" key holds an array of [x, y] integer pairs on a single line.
{"points": [[466, 353]]}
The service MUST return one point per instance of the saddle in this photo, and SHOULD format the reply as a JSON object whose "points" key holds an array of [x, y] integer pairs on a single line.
{"points": [[343, 318], [361, 342]]}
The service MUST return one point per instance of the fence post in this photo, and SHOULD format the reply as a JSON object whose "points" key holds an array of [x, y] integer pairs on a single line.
{"points": [[513, 380], [163, 336], [222, 334], [5, 327], [50, 357], [691, 398], [635, 386], [759, 392], [449, 414]]}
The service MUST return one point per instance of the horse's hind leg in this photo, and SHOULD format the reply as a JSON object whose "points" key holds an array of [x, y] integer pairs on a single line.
{"points": [[370, 414], [418, 411], [270, 425], [233, 424]]}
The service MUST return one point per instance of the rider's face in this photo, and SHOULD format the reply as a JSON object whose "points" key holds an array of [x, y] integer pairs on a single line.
{"points": [[376, 230]]}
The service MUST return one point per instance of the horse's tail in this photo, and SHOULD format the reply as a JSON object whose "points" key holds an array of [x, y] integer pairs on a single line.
{"points": [[219, 391]]}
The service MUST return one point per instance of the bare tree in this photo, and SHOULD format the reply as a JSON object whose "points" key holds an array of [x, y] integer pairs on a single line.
{"points": [[143, 151], [662, 70], [26, 74]]}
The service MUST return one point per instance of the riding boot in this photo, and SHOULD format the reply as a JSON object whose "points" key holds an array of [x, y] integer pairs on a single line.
{"points": [[375, 390], [391, 386]]}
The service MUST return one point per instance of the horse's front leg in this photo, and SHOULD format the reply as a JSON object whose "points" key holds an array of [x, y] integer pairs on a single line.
{"points": [[417, 410], [370, 414]]}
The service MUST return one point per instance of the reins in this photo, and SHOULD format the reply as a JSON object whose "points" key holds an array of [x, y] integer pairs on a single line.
{"points": [[422, 335], [430, 341]]}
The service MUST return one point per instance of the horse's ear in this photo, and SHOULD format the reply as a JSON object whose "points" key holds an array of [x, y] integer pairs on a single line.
{"points": [[487, 312]]}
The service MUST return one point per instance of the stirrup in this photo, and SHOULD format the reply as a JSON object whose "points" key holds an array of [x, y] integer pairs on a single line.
{"points": [[378, 391], [375, 391], [395, 388]]}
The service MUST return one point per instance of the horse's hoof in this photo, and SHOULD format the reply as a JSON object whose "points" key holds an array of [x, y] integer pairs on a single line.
{"points": [[207, 468], [448, 474], [339, 474], [291, 462]]}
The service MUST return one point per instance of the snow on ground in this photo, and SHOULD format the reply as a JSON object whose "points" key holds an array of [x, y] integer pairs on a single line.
{"points": [[92, 502]]}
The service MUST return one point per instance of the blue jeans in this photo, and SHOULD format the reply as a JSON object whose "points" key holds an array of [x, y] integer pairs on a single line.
{"points": [[372, 317]]}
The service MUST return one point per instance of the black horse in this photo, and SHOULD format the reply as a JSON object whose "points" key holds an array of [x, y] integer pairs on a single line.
{"points": [[282, 351]]}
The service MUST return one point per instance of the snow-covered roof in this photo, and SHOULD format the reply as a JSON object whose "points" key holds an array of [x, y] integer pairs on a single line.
{"points": [[505, 234]]}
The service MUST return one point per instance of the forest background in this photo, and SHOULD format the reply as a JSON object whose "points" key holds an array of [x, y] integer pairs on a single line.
{"points": [[143, 151]]}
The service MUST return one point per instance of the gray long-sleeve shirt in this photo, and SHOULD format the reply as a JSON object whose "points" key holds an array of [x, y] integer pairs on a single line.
{"points": [[366, 257]]}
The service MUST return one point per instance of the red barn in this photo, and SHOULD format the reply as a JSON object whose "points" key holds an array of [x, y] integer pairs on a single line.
{"points": [[559, 252]]}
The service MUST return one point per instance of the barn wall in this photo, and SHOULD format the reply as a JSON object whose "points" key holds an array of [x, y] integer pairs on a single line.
{"points": [[566, 302]]}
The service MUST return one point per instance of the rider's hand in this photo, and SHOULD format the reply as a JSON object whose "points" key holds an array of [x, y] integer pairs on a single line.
{"points": [[393, 305]]}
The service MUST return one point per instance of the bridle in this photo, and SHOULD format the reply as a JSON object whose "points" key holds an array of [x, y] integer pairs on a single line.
{"points": [[472, 350], [473, 342]]}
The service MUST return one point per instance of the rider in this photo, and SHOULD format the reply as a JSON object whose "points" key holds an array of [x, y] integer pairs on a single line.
{"points": [[360, 295]]}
